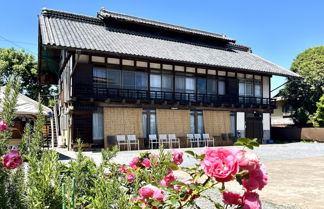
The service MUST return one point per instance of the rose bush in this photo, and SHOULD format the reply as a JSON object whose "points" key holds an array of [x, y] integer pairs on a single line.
{"points": [[12, 160], [149, 181], [217, 167]]}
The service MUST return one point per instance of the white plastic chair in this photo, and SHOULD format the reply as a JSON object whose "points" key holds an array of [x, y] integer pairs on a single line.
{"points": [[121, 140], [192, 139], [131, 139], [173, 139], [153, 140], [163, 139], [199, 139], [208, 139]]}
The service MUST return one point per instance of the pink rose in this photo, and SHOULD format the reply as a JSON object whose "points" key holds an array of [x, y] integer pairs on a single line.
{"points": [[3, 126], [230, 198], [248, 161], [146, 163], [250, 184], [123, 168], [12, 160], [220, 163], [167, 180], [154, 156], [133, 163], [158, 194], [152, 192], [177, 157], [258, 178], [146, 191], [251, 201], [130, 177]]}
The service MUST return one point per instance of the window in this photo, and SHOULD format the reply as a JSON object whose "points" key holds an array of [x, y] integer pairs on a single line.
{"points": [[221, 87], [201, 85], [211, 86], [233, 123], [99, 77], [97, 126], [242, 88], [167, 82], [114, 78], [141, 80], [257, 89], [190, 85], [179, 83], [128, 79], [196, 122], [248, 88], [155, 82]]}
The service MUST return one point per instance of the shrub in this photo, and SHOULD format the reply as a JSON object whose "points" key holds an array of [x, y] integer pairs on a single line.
{"points": [[149, 181]]}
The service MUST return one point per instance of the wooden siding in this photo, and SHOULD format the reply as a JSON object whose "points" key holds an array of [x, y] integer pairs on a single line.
{"points": [[173, 122], [216, 123]]}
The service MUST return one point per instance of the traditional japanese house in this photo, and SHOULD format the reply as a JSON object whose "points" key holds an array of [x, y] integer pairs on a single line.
{"points": [[119, 74]]}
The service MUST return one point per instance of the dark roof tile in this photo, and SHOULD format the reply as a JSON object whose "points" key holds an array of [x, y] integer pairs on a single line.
{"points": [[66, 30]]}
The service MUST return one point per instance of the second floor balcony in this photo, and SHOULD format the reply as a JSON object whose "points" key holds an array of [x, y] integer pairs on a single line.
{"points": [[83, 92]]}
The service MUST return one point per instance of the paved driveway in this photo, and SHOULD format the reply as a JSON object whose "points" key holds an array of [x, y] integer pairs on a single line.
{"points": [[296, 173]]}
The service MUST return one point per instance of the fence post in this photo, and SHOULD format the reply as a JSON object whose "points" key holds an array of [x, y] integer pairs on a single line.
{"points": [[63, 196]]}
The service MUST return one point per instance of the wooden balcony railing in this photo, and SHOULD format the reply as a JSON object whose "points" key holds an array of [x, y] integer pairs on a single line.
{"points": [[116, 94]]}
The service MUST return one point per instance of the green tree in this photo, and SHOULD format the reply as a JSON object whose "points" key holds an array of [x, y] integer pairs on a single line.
{"points": [[303, 93], [18, 63], [318, 117]]}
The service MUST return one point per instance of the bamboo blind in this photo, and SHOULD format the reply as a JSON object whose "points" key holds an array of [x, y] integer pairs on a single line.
{"points": [[173, 122], [123, 121], [216, 122]]}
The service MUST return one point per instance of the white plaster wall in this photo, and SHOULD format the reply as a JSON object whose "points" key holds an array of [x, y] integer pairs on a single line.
{"points": [[266, 86], [240, 123], [266, 121]]}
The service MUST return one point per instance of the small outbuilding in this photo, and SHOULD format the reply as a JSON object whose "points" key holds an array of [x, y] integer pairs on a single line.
{"points": [[26, 112]]}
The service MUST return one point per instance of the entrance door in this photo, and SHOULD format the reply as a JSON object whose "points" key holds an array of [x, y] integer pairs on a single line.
{"points": [[254, 127], [149, 125], [82, 127]]}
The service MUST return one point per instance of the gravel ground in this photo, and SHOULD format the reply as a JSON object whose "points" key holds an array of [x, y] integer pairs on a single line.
{"points": [[267, 154]]}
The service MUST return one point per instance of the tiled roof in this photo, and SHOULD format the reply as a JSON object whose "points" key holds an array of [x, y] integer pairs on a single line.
{"points": [[72, 31], [104, 14]]}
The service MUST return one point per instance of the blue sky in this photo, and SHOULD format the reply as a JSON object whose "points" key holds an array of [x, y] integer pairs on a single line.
{"points": [[277, 30]]}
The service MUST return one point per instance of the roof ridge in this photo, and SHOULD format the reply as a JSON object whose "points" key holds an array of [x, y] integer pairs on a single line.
{"points": [[58, 13], [240, 47], [105, 13]]}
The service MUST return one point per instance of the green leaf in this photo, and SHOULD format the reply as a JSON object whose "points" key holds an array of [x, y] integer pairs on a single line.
{"points": [[174, 200], [191, 153], [156, 203], [171, 165], [201, 157]]}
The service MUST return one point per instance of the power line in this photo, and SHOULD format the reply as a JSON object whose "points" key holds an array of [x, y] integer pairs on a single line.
{"points": [[14, 43], [22, 42]]}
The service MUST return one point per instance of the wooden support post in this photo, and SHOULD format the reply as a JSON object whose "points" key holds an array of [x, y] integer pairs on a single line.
{"points": [[52, 132]]}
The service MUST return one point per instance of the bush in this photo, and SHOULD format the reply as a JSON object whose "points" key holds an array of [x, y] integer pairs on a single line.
{"points": [[149, 181]]}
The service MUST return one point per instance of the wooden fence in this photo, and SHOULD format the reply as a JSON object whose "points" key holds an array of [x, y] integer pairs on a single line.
{"points": [[296, 133]]}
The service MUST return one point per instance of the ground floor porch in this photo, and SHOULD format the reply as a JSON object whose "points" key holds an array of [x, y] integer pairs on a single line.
{"points": [[99, 125]]}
